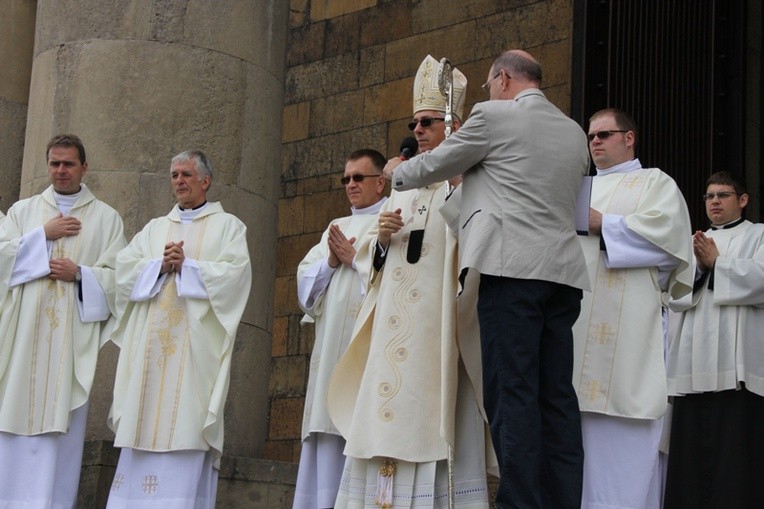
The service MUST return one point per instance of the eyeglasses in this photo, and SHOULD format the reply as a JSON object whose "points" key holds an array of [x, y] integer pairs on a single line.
{"points": [[603, 135], [722, 195], [487, 85], [426, 122], [355, 178]]}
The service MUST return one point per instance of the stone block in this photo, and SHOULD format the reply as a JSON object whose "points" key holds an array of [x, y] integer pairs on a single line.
{"points": [[288, 377], [306, 43], [403, 56], [319, 184], [302, 336], [299, 11], [337, 113], [295, 122], [342, 35], [388, 101], [291, 212], [371, 69], [324, 9], [321, 78], [327, 154], [17, 29], [101, 396], [285, 295], [240, 28], [533, 25], [559, 96], [278, 450], [291, 251], [93, 19], [245, 412], [13, 118], [323, 208], [286, 418], [435, 14], [395, 17], [260, 150], [280, 336], [556, 61]]}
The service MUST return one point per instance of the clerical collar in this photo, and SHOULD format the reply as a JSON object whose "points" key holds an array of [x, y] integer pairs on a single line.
{"points": [[65, 202], [371, 209], [727, 226], [194, 208], [188, 215], [632, 165]]}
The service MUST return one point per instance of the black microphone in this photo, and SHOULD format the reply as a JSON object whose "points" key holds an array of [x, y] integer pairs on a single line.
{"points": [[409, 147]]}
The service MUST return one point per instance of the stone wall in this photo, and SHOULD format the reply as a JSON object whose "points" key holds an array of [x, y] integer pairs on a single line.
{"points": [[17, 25], [350, 69]]}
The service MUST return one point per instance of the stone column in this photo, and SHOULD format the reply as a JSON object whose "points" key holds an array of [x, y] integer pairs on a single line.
{"points": [[16, 44], [140, 81]]}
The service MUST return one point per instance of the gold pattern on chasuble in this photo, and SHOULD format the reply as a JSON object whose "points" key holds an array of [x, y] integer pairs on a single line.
{"points": [[50, 359], [166, 352], [607, 301], [398, 327]]}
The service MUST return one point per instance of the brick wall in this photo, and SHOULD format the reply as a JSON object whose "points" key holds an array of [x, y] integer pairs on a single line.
{"points": [[350, 71]]}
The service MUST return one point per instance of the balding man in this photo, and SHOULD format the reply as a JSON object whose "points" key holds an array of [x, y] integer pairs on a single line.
{"points": [[526, 161]]}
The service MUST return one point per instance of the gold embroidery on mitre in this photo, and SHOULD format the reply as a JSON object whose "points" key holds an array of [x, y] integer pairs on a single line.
{"points": [[427, 94]]}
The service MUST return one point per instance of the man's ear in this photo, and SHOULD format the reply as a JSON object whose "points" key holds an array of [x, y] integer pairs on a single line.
{"points": [[743, 200]]}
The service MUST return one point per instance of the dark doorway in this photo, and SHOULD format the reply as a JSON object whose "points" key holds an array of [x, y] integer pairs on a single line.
{"points": [[679, 68]]}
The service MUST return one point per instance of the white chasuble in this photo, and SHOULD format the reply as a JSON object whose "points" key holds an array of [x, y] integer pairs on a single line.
{"points": [[719, 343], [174, 365], [47, 354], [619, 351], [393, 393], [334, 312]]}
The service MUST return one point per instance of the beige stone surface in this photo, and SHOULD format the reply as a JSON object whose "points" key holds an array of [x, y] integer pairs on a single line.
{"points": [[17, 27], [296, 122], [322, 9], [13, 116]]}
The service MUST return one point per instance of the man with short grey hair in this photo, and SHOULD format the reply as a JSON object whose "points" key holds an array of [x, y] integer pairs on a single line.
{"points": [[182, 284]]}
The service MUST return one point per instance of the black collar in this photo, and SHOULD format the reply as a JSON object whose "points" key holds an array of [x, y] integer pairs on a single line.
{"points": [[195, 208], [728, 225]]}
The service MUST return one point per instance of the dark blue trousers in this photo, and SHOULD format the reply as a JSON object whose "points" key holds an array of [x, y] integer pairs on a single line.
{"points": [[527, 348]]}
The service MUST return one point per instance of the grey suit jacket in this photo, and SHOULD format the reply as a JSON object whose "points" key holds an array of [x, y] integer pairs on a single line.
{"points": [[525, 161]]}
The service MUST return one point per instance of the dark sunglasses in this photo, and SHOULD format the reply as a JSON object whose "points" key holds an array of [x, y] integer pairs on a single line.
{"points": [[356, 178], [603, 135], [426, 122]]}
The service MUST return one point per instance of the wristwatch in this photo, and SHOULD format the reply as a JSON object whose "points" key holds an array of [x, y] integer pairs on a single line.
{"points": [[78, 275]]}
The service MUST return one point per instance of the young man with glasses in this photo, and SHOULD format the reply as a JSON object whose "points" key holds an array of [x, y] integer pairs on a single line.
{"points": [[716, 362], [330, 289], [517, 242], [638, 252], [398, 395]]}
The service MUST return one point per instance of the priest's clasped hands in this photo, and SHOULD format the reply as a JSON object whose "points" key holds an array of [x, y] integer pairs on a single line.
{"points": [[59, 227], [173, 257]]}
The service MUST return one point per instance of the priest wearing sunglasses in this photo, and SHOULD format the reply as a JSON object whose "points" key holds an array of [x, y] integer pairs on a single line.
{"points": [[398, 394], [638, 252]]}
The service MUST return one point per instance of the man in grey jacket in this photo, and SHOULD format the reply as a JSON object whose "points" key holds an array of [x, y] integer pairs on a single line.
{"points": [[526, 161]]}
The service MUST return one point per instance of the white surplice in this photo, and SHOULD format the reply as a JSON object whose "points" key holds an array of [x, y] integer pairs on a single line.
{"points": [[331, 297], [718, 344]]}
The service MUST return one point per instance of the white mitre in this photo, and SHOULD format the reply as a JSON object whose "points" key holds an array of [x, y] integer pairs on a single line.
{"points": [[427, 94]]}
